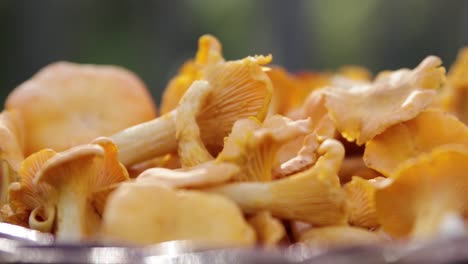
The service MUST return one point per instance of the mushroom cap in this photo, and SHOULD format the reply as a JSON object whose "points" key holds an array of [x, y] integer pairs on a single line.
{"points": [[25, 196], [82, 177], [394, 97], [209, 51], [202, 175], [240, 89], [361, 202], [253, 146], [423, 190], [169, 215], [305, 157], [66, 104], [401, 142], [11, 138]]}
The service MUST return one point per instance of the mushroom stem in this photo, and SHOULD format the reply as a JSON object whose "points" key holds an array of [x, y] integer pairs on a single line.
{"points": [[75, 216], [147, 140]]}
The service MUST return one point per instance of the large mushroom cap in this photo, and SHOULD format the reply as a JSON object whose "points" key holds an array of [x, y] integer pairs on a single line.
{"points": [[423, 192], [407, 140], [394, 97], [66, 104], [147, 213]]}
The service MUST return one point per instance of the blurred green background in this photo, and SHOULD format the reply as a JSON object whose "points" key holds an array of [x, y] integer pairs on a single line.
{"points": [[153, 38]]}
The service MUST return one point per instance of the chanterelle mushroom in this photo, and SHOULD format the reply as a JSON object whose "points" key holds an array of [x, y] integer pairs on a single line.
{"points": [[430, 129], [66, 104], [253, 146], [205, 174], [76, 175], [423, 192], [394, 97], [313, 195], [209, 52], [239, 89], [145, 213], [31, 205]]}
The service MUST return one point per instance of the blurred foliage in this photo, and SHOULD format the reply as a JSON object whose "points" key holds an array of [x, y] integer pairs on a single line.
{"points": [[153, 38]]}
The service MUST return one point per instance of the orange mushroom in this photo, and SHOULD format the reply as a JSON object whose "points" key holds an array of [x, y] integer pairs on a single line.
{"points": [[252, 146], [66, 104], [407, 140], [76, 175], [361, 201], [202, 175], [314, 195], [239, 89], [394, 97], [204, 218], [31, 205], [209, 52], [424, 191]]}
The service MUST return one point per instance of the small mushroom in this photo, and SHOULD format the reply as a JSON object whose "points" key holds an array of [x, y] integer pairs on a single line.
{"points": [[401, 142], [169, 214], [209, 52], [423, 192], [394, 97], [314, 195], [66, 104], [76, 175], [239, 89], [269, 229], [338, 236], [31, 205], [205, 174], [360, 195], [252, 146]]}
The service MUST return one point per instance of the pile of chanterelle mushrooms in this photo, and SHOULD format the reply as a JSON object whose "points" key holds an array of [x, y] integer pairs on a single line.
{"points": [[242, 153]]}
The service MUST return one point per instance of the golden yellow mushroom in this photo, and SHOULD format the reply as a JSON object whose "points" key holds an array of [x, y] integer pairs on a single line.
{"points": [[424, 191], [360, 195], [252, 146], [209, 52], [305, 157], [269, 229], [314, 195], [75, 175], [407, 140], [31, 205], [168, 214], [202, 175], [66, 104], [314, 108], [363, 111], [239, 89]]}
